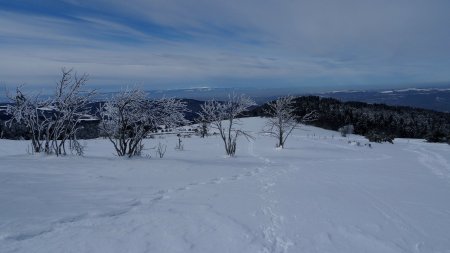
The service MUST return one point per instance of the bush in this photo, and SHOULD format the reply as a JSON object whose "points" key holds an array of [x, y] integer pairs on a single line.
{"points": [[379, 137], [437, 136], [347, 129]]}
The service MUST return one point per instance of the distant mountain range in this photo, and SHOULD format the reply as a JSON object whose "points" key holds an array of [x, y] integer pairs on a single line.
{"points": [[261, 96], [432, 98], [428, 98]]}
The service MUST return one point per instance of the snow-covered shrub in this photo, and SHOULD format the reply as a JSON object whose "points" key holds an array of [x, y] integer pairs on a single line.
{"points": [[161, 150], [379, 137], [345, 130], [437, 136], [283, 120], [54, 120], [202, 129], [179, 145], [223, 116], [76, 147], [26, 111], [129, 117]]}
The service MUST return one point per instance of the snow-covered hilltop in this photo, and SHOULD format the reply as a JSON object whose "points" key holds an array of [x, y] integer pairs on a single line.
{"points": [[322, 193]]}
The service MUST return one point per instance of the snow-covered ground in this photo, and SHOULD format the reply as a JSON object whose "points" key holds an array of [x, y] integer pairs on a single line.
{"points": [[320, 194]]}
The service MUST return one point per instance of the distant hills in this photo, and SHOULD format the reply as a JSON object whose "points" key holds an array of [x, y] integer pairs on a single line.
{"points": [[432, 98], [427, 98]]}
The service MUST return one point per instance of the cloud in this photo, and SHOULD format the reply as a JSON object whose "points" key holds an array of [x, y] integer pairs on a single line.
{"points": [[173, 43]]}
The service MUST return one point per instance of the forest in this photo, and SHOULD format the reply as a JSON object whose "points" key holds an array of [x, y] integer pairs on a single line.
{"points": [[373, 119]]}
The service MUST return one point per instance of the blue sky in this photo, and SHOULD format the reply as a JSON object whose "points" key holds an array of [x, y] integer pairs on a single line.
{"points": [[216, 43]]}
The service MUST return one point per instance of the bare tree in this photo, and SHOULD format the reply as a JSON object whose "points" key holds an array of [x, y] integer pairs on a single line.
{"points": [[223, 116], [161, 150], [345, 130], [26, 110], [283, 120], [129, 117], [202, 127], [70, 105], [53, 121]]}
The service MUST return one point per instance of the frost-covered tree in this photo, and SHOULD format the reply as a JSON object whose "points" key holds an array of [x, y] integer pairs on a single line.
{"points": [[346, 130], [202, 128], [53, 121], [283, 119], [26, 110], [70, 105], [223, 116], [129, 117]]}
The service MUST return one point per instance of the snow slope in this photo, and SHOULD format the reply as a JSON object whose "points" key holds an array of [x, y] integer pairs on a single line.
{"points": [[320, 194]]}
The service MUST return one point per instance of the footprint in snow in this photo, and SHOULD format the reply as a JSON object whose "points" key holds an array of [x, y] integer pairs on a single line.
{"points": [[72, 219], [29, 234]]}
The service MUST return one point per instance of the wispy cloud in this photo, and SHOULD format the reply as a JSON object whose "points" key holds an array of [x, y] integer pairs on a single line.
{"points": [[175, 43]]}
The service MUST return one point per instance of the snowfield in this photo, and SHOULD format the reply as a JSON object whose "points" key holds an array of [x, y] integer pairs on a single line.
{"points": [[320, 194]]}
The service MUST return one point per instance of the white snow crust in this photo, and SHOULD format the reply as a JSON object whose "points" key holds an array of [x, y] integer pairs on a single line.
{"points": [[319, 194]]}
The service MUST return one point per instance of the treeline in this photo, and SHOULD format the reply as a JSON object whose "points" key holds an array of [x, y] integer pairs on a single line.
{"points": [[373, 119], [369, 120]]}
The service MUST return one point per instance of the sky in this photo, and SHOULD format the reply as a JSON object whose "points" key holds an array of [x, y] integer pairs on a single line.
{"points": [[168, 44]]}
